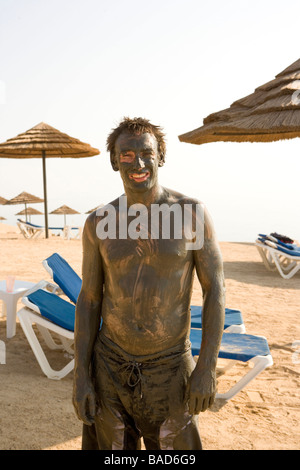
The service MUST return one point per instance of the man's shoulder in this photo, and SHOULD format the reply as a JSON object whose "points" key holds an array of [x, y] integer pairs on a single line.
{"points": [[175, 197]]}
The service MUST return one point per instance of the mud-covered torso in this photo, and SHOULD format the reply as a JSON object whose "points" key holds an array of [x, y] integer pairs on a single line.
{"points": [[147, 293]]}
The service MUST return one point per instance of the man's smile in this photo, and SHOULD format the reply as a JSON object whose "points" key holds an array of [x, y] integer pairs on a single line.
{"points": [[139, 177]]}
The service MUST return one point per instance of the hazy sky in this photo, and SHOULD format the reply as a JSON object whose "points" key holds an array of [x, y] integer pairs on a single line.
{"points": [[81, 66]]}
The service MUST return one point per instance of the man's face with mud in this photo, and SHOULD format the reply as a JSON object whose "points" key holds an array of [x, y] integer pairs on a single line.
{"points": [[137, 158]]}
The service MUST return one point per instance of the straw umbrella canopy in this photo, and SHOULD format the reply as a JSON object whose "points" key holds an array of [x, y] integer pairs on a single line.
{"points": [[24, 198], [44, 141], [2, 218], [29, 211], [270, 113], [65, 210]]}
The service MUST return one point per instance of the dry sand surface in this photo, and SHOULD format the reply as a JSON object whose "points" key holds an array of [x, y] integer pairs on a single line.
{"points": [[37, 413]]}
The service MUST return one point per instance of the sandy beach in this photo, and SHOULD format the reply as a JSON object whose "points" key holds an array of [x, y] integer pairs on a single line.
{"points": [[37, 413]]}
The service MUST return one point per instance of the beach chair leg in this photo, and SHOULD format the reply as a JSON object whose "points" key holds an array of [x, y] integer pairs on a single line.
{"points": [[25, 234], [47, 337], [268, 262], [11, 316], [285, 275], [65, 343], [26, 320], [259, 364], [38, 233], [293, 271]]}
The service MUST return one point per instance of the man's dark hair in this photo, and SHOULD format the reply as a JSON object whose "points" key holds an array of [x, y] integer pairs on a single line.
{"points": [[137, 126]]}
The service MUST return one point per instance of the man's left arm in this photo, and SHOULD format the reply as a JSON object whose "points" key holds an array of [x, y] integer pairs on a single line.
{"points": [[201, 389]]}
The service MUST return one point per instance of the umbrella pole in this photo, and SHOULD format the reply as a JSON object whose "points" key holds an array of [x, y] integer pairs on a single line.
{"points": [[45, 193]]}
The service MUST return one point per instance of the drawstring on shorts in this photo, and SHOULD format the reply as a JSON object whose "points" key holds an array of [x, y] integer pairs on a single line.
{"points": [[134, 378]]}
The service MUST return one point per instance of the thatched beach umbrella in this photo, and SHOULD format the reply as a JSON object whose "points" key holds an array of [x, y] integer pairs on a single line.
{"points": [[24, 198], [2, 218], [65, 210], [44, 141], [271, 113], [29, 211]]}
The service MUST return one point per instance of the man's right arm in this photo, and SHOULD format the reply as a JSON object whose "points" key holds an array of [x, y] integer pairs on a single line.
{"points": [[87, 322]]}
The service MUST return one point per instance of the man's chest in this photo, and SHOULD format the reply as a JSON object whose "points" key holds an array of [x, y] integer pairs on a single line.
{"points": [[160, 253]]}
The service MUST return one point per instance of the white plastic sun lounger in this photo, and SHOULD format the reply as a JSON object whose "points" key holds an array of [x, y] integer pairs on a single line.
{"points": [[279, 256], [29, 230]]}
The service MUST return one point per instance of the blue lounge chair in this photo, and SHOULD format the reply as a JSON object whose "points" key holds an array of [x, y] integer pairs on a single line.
{"points": [[70, 283], [63, 275], [243, 348], [50, 313], [284, 247]]}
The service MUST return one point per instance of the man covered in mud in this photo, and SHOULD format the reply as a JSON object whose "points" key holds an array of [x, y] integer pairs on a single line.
{"points": [[134, 373]]}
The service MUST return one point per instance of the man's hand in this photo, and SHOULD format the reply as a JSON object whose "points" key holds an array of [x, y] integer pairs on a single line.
{"points": [[84, 399], [201, 390]]}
